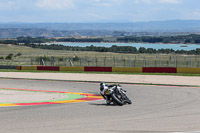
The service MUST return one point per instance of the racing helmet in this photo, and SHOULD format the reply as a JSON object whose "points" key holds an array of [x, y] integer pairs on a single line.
{"points": [[102, 84]]}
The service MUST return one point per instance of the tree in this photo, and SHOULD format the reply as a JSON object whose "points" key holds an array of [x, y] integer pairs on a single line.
{"points": [[9, 57], [142, 50], [197, 41]]}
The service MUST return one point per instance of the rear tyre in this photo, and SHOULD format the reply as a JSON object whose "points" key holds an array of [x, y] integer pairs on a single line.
{"points": [[117, 100]]}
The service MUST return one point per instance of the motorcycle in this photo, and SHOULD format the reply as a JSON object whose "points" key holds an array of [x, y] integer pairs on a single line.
{"points": [[114, 94]]}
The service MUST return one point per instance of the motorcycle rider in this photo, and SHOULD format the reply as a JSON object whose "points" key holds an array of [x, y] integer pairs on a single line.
{"points": [[103, 88], [114, 93]]}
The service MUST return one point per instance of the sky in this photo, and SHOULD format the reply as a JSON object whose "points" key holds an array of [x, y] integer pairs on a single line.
{"points": [[86, 11]]}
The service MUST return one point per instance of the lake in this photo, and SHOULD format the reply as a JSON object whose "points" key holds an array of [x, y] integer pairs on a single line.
{"points": [[137, 45]]}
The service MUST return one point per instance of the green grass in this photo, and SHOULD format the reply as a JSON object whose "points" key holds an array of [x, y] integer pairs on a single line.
{"points": [[128, 73]]}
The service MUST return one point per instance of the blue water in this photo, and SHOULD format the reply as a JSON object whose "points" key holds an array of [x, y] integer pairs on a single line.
{"points": [[137, 45]]}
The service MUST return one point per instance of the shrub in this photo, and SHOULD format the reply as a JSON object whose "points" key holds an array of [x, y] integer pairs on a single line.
{"points": [[60, 59], [18, 54], [9, 57]]}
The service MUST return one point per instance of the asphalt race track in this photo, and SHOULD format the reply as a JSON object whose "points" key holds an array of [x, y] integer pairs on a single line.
{"points": [[155, 109]]}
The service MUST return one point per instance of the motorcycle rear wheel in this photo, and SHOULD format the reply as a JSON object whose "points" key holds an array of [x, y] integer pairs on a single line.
{"points": [[117, 100]]}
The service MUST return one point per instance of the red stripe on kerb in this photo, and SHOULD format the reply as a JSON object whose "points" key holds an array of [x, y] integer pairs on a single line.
{"points": [[98, 69], [159, 70]]}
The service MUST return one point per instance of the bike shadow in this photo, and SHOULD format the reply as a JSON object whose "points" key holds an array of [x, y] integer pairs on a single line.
{"points": [[101, 104]]}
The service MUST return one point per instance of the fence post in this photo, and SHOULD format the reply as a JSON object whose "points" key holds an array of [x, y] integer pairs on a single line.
{"points": [[88, 61], [190, 61], [114, 60], [135, 61], [80, 61], [40, 60], [95, 61], [31, 61], [65, 60], [52, 61], [144, 61], [104, 61], [175, 61], [159, 61], [117, 61]]}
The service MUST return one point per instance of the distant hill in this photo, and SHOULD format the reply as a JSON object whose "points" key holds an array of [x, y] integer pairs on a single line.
{"points": [[35, 32], [97, 29]]}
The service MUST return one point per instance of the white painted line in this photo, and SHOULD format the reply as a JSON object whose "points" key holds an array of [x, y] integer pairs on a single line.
{"points": [[188, 132]]}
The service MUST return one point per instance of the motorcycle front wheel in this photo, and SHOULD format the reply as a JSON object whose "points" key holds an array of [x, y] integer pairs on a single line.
{"points": [[127, 100]]}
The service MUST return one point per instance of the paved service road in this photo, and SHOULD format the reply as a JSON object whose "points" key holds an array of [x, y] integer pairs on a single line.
{"points": [[155, 109]]}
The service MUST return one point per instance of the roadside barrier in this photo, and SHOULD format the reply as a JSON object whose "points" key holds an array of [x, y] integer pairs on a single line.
{"points": [[98, 69], [108, 69], [188, 70], [127, 69], [48, 68], [79, 69], [159, 70], [8, 67], [28, 68]]}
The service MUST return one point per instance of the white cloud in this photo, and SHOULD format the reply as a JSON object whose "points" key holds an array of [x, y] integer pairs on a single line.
{"points": [[195, 14], [170, 1], [9, 5], [158, 1], [117, 1], [108, 3], [55, 4], [143, 1], [93, 15], [105, 4]]}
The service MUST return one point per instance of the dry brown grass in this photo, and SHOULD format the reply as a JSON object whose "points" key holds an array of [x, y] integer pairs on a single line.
{"points": [[30, 56]]}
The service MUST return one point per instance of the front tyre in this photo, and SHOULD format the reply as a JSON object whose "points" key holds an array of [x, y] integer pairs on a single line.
{"points": [[117, 100], [126, 99]]}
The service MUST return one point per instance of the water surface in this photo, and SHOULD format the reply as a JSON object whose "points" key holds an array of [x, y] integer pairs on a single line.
{"points": [[137, 45]]}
